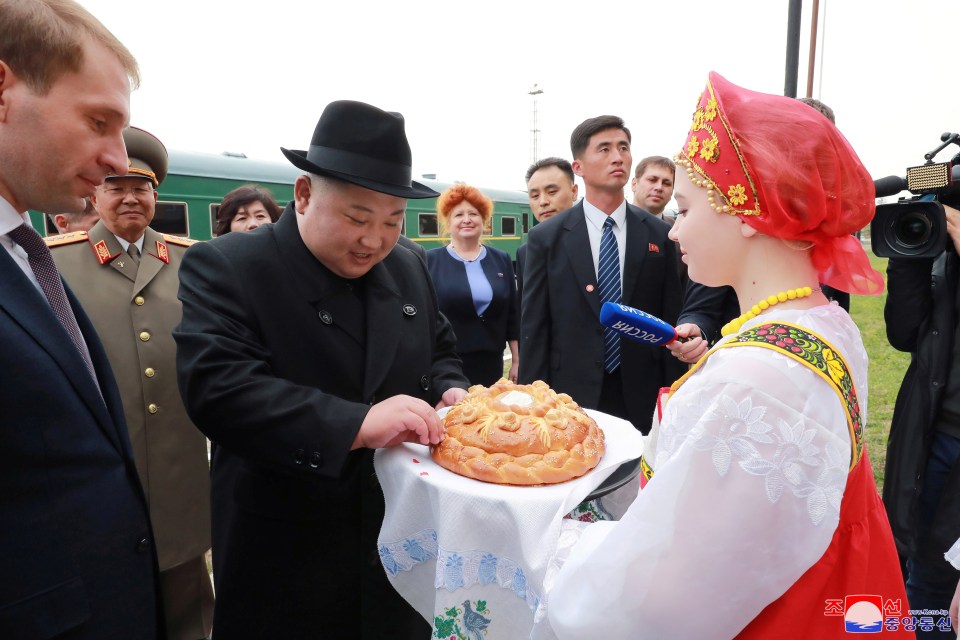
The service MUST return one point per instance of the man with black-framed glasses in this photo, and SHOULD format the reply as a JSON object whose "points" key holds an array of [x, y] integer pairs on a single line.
{"points": [[126, 276]]}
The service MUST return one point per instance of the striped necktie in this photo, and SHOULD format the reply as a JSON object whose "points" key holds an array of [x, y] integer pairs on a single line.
{"points": [[48, 277], [608, 279]]}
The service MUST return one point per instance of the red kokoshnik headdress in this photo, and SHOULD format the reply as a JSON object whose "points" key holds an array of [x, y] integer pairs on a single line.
{"points": [[787, 172]]}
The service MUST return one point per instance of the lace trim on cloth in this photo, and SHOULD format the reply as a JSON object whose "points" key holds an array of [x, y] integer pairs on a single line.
{"points": [[464, 569], [409, 552], [457, 569]]}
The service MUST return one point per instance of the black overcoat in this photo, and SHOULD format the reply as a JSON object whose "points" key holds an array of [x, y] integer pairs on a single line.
{"points": [[279, 364], [921, 318]]}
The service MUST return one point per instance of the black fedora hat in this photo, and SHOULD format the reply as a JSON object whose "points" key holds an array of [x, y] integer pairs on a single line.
{"points": [[363, 145]]}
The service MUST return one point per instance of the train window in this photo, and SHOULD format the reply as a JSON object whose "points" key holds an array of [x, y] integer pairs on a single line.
{"points": [[214, 210], [526, 223], [508, 226], [428, 225], [171, 217], [48, 223]]}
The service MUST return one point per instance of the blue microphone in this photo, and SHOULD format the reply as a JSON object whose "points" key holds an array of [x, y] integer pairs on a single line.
{"points": [[636, 324]]}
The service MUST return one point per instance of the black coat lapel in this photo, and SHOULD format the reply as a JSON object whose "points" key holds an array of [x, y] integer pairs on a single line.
{"points": [[638, 240], [576, 244], [26, 305], [384, 310]]}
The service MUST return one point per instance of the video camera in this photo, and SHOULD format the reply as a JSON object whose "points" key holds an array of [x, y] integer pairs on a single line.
{"points": [[916, 227]]}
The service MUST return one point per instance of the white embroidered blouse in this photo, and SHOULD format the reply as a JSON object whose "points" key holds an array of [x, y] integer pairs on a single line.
{"points": [[750, 468]]}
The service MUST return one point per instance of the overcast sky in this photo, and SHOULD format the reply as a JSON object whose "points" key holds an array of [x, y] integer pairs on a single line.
{"points": [[251, 77]]}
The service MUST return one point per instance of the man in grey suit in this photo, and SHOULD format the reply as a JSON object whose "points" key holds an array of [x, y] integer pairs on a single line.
{"points": [[601, 249], [77, 554]]}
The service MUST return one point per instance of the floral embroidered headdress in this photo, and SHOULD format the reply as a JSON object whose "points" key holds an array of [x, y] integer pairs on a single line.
{"points": [[787, 172]]}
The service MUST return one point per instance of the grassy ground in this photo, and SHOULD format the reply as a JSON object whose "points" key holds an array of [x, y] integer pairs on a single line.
{"points": [[887, 366]]}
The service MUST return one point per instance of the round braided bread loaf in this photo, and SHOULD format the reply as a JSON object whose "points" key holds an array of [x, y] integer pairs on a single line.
{"points": [[519, 434]]}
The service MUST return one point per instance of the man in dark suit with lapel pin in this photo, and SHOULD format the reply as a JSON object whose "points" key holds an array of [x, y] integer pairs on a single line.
{"points": [[601, 249], [551, 190], [125, 275], [77, 557], [304, 346]]}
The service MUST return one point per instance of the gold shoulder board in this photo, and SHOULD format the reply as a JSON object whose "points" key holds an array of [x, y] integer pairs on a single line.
{"points": [[178, 240], [68, 238]]}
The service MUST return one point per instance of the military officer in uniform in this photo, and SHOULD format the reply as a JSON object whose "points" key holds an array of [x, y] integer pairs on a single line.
{"points": [[126, 277]]}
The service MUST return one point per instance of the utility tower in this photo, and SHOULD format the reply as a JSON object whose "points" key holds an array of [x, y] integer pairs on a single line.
{"points": [[535, 129]]}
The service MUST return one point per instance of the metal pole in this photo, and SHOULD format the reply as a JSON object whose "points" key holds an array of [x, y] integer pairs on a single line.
{"points": [[812, 56], [793, 49], [535, 130]]}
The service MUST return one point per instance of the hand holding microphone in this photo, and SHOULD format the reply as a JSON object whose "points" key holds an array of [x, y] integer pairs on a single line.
{"points": [[636, 325], [684, 341]]}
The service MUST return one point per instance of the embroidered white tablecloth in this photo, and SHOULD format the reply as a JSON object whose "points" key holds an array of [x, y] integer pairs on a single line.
{"points": [[471, 556]]}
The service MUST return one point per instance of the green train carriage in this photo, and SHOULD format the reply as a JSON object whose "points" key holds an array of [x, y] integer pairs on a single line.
{"points": [[197, 182]]}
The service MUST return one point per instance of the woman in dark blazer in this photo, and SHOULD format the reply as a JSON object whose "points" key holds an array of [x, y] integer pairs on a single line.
{"points": [[475, 286]]}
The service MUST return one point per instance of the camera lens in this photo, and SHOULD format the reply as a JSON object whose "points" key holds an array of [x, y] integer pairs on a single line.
{"points": [[912, 229]]}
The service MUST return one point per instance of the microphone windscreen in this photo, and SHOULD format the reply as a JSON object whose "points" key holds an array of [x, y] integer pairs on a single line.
{"points": [[637, 325], [889, 186]]}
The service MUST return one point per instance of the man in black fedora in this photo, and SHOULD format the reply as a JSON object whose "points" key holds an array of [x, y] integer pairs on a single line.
{"points": [[304, 346]]}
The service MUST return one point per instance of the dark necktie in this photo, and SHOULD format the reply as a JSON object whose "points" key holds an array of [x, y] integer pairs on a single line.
{"points": [[608, 279], [134, 253], [49, 279]]}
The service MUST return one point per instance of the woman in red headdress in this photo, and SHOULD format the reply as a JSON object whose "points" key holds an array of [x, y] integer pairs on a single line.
{"points": [[762, 519]]}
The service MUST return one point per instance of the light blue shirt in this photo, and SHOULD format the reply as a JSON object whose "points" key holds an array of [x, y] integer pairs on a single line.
{"points": [[480, 287]]}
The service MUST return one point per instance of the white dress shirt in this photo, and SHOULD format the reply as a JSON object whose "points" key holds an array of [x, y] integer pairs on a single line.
{"points": [[10, 219], [595, 220]]}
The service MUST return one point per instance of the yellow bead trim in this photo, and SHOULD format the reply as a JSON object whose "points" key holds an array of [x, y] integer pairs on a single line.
{"points": [[790, 294]]}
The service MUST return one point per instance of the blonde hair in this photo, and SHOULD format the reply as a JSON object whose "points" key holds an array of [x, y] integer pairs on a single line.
{"points": [[41, 40]]}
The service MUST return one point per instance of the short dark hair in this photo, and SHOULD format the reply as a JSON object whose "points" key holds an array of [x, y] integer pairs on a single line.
{"points": [[559, 163], [819, 106], [659, 161], [580, 137], [241, 197]]}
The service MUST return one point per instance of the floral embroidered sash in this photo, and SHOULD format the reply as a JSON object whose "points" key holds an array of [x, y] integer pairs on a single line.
{"points": [[809, 349]]}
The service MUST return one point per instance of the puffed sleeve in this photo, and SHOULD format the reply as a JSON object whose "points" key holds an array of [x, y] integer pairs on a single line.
{"points": [[751, 466]]}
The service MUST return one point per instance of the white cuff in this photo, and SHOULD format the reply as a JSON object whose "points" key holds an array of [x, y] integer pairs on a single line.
{"points": [[953, 555]]}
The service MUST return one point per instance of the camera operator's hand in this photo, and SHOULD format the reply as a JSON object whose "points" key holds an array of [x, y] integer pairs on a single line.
{"points": [[953, 225]]}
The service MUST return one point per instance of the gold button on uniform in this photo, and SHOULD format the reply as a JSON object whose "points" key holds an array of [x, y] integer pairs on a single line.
{"points": [[152, 408], [139, 301], [144, 336], [149, 372]]}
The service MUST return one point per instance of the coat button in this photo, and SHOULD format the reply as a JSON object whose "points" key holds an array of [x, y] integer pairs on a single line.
{"points": [[152, 408], [149, 372], [144, 545], [139, 301], [144, 336], [314, 459], [424, 383], [299, 456], [325, 317]]}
